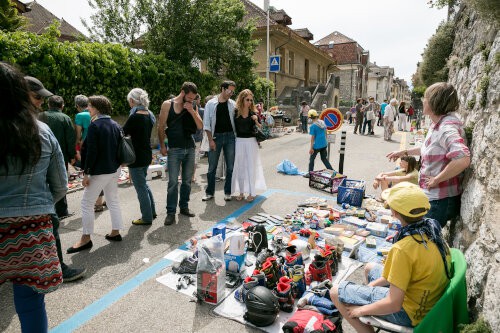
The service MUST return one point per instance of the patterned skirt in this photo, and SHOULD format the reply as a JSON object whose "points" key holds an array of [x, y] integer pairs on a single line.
{"points": [[28, 253]]}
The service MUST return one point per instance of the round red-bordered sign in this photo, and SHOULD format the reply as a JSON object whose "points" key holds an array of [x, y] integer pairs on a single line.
{"points": [[333, 118]]}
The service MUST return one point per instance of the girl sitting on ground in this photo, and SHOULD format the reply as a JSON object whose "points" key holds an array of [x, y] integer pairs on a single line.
{"points": [[406, 173]]}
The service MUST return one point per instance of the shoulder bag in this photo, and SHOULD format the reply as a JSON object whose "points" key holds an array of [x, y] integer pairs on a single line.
{"points": [[126, 152]]}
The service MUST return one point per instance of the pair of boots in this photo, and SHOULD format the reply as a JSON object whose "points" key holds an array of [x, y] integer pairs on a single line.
{"points": [[271, 270], [319, 270], [283, 292], [330, 254], [296, 274], [257, 279]]}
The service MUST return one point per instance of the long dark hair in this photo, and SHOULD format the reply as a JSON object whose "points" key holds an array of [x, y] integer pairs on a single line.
{"points": [[20, 137]]}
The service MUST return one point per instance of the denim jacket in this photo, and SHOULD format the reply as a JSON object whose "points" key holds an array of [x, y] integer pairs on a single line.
{"points": [[35, 190], [209, 117]]}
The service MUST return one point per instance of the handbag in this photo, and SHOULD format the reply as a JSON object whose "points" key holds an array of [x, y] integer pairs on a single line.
{"points": [[370, 115], [259, 135], [126, 152]]}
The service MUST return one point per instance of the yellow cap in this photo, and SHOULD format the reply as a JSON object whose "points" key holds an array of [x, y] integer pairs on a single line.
{"points": [[407, 199], [312, 113]]}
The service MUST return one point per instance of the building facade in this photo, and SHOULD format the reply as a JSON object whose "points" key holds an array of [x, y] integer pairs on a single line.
{"points": [[380, 80]]}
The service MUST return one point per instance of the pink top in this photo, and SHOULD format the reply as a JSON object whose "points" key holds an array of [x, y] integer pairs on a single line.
{"points": [[445, 142], [305, 110]]}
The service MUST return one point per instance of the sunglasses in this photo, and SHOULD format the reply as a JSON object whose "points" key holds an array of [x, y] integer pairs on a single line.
{"points": [[229, 91], [248, 100]]}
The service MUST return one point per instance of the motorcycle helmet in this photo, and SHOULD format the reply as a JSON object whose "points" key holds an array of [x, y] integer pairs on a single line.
{"points": [[262, 306]]}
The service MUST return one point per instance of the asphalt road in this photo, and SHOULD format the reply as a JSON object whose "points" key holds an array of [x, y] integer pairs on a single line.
{"points": [[119, 292]]}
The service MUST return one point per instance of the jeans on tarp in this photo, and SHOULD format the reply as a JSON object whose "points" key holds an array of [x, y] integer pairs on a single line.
{"points": [[223, 142], [30, 307], [323, 304], [179, 158], [144, 194]]}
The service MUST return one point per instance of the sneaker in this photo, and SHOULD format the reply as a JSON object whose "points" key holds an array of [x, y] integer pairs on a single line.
{"points": [[186, 266], [141, 222], [207, 197], [306, 175], [227, 197], [72, 274], [170, 219]]}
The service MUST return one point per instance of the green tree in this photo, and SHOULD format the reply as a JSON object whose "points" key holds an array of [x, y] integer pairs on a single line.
{"points": [[433, 67], [10, 20]]}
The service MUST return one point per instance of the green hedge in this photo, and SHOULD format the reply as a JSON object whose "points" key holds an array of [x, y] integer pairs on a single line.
{"points": [[68, 69]]}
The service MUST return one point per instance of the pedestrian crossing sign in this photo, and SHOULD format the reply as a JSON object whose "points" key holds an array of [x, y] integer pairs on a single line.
{"points": [[274, 63]]}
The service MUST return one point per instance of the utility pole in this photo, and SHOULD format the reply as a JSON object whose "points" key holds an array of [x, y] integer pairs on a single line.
{"points": [[266, 8]]}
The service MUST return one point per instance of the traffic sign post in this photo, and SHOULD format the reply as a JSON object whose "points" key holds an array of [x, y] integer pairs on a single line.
{"points": [[274, 63]]}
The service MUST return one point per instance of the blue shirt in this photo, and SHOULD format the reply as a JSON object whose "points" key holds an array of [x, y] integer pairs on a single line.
{"points": [[382, 108], [82, 119], [319, 135]]}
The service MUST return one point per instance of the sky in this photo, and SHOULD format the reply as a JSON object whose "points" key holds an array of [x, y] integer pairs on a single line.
{"points": [[394, 31]]}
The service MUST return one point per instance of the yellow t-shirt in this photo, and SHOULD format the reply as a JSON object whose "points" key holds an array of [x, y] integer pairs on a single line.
{"points": [[419, 272], [413, 174]]}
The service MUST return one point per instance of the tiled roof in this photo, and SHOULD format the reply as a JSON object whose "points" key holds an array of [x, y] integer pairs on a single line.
{"points": [[304, 33], [281, 17], [257, 14], [21, 7], [40, 18], [335, 37]]}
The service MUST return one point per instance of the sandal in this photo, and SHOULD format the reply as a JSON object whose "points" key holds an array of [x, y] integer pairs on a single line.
{"points": [[250, 198], [100, 208], [240, 197]]}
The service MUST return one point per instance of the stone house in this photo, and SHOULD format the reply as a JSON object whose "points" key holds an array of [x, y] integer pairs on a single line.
{"points": [[351, 62], [380, 80], [400, 91], [305, 71]]}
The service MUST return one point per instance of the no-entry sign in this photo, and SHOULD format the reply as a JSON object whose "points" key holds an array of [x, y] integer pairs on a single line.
{"points": [[333, 118]]}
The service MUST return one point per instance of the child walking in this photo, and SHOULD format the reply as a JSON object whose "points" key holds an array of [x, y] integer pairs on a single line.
{"points": [[318, 141]]}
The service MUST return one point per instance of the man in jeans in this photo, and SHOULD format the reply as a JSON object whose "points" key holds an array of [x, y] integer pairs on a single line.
{"points": [[182, 120], [218, 123]]}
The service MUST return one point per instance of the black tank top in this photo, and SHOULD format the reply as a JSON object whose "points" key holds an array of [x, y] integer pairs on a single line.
{"points": [[180, 128]]}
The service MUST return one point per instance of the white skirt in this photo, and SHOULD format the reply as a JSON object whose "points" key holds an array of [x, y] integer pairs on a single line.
{"points": [[248, 174]]}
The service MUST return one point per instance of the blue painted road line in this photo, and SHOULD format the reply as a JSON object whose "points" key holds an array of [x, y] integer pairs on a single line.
{"points": [[88, 313]]}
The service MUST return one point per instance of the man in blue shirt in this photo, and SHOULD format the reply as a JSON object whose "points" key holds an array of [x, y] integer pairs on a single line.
{"points": [[382, 110], [318, 141]]}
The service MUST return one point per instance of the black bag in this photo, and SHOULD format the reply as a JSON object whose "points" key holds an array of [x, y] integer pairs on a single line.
{"points": [[126, 152], [259, 135]]}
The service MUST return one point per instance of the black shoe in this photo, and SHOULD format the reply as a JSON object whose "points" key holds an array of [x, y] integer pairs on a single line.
{"points": [[72, 274], [80, 248], [65, 216], [154, 216], [187, 212], [116, 238], [306, 175], [186, 266], [170, 219]]}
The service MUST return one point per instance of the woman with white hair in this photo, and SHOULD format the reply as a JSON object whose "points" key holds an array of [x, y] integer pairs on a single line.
{"points": [[389, 118], [139, 126]]}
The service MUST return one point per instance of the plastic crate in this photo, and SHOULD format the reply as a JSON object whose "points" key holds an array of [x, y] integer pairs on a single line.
{"points": [[325, 180], [351, 192]]}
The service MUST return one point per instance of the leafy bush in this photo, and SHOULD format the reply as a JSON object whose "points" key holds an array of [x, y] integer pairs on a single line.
{"points": [[69, 69], [434, 64], [479, 326]]}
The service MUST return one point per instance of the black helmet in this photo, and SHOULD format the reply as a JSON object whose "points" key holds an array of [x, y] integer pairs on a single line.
{"points": [[262, 306]]}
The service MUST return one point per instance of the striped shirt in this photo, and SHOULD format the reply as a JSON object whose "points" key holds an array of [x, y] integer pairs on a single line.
{"points": [[445, 142]]}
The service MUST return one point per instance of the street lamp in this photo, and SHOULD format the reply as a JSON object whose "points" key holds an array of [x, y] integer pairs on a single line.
{"points": [[266, 8]]}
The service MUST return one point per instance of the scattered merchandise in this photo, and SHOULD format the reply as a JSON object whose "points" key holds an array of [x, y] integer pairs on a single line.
{"points": [[326, 180]]}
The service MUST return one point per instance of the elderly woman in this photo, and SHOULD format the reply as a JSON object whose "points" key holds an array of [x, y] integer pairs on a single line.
{"points": [[32, 177], [248, 174], [101, 171], [389, 118], [139, 126], [444, 154]]}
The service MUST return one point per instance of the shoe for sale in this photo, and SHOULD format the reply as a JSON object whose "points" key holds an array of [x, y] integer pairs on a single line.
{"points": [[72, 274], [169, 220], [186, 266], [284, 293], [241, 293], [207, 197]]}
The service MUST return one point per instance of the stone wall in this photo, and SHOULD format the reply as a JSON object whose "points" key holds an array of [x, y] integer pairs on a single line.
{"points": [[475, 72]]}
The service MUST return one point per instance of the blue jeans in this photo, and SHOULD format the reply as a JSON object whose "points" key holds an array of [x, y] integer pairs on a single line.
{"points": [[144, 194], [303, 119], [30, 307], [351, 293], [179, 158], [323, 304], [445, 209], [322, 152], [223, 141], [369, 122]]}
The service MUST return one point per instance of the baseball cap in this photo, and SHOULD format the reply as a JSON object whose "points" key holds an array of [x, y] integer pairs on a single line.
{"points": [[312, 113], [36, 86], [407, 199]]}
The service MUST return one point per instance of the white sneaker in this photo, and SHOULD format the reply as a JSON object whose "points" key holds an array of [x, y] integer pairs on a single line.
{"points": [[227, 197], [207, 197]]}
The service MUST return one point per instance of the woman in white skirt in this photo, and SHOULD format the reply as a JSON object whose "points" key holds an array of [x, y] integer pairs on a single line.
{"points": [[248, 175]]}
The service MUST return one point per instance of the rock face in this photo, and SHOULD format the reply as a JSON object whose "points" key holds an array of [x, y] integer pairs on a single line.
{"points": [[475, 73]]}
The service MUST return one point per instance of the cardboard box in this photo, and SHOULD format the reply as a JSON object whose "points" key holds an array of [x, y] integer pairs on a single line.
{"points": [[377, 229], [234, 263], [211, 285]]}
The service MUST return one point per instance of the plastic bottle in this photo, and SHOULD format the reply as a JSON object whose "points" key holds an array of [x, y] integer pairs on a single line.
{"points": [[330, 216]]}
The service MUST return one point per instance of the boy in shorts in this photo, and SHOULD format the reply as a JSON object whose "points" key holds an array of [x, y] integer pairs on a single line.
{"points": [[415, 274]]}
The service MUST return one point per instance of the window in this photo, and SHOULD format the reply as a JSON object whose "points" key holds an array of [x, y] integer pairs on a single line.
{"points": [[291, 63]]}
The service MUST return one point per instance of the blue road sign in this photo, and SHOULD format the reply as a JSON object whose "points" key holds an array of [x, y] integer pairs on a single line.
{"points": [[274, 63]]}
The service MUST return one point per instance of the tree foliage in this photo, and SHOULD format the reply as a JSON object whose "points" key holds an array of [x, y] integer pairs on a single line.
{"points": [[212, 31], [10, 20], [69, 69], [433, 67]]}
